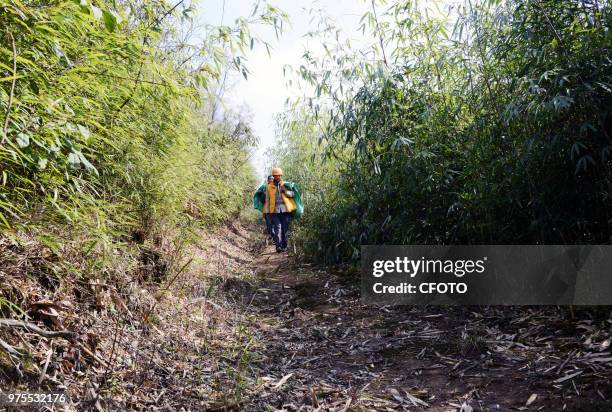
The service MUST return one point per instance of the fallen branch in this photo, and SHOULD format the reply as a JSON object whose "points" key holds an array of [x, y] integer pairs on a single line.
{"points": [[161, 293], [562, 365], [9, 348], [93, 355], [44, 371], [30, 327]]}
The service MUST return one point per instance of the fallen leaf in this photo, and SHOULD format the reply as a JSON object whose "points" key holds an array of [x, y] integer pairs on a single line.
{"points": [[466, 408], [396, 395], [415, 401], [564, 378], [531, 399], [283, 380]]}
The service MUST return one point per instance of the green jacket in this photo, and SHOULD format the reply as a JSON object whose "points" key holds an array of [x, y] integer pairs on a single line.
{"points": [[260, 195]]}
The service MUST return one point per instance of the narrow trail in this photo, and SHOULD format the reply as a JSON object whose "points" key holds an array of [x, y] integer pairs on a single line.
{"points": [[309, 344], [248, 329], [245, 328]]}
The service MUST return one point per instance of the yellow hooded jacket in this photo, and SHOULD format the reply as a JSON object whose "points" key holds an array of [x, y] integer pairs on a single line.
{"points": [[270, 201]]}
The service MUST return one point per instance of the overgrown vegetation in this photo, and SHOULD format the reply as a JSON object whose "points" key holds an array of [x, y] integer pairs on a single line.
{"points": [[106, 125], [113, 150], [490, 124]]}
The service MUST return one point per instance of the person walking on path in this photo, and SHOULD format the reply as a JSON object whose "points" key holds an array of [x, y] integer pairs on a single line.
{"points": [[281, 201], [267, 217]]}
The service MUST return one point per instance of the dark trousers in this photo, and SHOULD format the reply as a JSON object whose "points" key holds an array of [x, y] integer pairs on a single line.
{"points": [[280, 228], [268, 219]]}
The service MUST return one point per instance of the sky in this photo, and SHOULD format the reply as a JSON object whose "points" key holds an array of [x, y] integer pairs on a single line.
{"points": [[265, 91]]}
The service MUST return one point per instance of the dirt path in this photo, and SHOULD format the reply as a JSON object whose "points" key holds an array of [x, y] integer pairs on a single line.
{"points": [[240, 327], [314, 346]]}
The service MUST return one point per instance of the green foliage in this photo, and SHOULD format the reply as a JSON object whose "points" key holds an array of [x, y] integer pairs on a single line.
{"points": [[493, 130], [105, 137], [102, 119], [302, 160]]}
